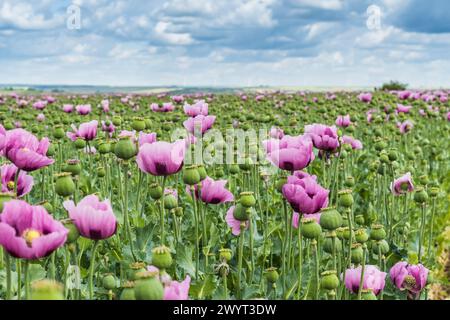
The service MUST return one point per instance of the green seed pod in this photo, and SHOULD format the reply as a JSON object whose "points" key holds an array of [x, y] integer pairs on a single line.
{"points": [[329, 280], [357, 253], [104, 147], [47, 205], [359, 219], [247, 165], [241, 213], [361, 235], [155, 191], [101, 172], [135, 269], [280, 183], [73, 166], [170, 201], [125, 149], [328, 243], [384, 158], [64, 185], [349, 182], [117, 121], [345, 198], [128, 291], [382, 245], [191, 176], [424, 180], [310, 228], [377, 233], [433, 192], [202, 172], [59, 133], [367, 294], [50, 150], [420, 195], [109, 282], [225, 254], [178, 211], [138, 124], [148, 287], [330, 218], [234, 169], [393, 155], [47, 290], [247, 199], [271, 275], [80, 143], [161, 257], [73, 234]]}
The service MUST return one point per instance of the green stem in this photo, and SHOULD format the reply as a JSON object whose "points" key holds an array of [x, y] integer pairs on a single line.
{"points": [[19, 279], [421, 232], [91, 270], [197, 246], [300, 260], [430, 235], [8, 275], [361, 280], [162, 212], [27, 280]]}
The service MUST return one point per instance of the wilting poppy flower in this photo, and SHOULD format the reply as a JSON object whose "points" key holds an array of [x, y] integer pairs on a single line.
{"points": [[93, 218], [290, 153], [108, 127], [177, 290], [24, 182], [29, 232], [304, 194], [201, 123], [233, 223], [402, 185], [373, 279], [409, 277], [406, 126], [324, 137], [87, 131], [161, 158]]}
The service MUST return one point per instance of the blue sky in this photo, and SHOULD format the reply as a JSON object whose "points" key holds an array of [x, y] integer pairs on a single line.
{"points": [[225, 42]]}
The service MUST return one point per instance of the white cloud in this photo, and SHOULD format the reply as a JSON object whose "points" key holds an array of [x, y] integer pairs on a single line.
{"points": [[162, 32], [22, 16]]}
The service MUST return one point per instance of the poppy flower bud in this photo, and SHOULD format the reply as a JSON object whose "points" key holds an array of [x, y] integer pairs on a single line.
{"points": [[5, 197], [125, 148], [271, 274], [380, 145], [101, 172], [343, 154], [202, 172], [357, 253], [148, 286], [393, 155], [64, 185], [349, 182], [241, 213], [329, 280], [361, 235], [310, 228], [330, 218], [104, 147], [47, 290], [381, 245], [433, 192], [109, 282], [345, 198], [377, 233], [138, 124], [424, 180], [384, 158], [80, 143], [328, 243], [170, 201], [161, 257], [247, 199], [73, 166], [178, 211], [234, 169], [156, 191], [73, 234], [117, 121], [191, 176], [225, 254], [59, 133], [280, 183], [420, 195], [347, 147], [135, 268], [128, 291], [367, 294]]}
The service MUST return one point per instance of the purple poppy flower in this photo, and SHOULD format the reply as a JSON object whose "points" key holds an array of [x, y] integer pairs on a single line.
{"points": [[24, 182], [343, 121], [199, 124], [290, 153], [161, 158], [233, 223], [87, 131], [402, 185], [373, 279], [412, 278], [324, 137], [177, 290]]}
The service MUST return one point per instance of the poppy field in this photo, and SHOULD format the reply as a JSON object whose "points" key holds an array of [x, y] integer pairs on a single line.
{"points": [[249, 195]]}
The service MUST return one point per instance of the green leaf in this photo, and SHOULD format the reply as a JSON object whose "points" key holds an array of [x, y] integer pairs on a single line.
{"points": [[36, 272], [184, 260], [205, 288]]}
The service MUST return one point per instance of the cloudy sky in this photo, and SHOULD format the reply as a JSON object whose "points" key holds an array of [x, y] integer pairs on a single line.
{"points": [[225, 42]]}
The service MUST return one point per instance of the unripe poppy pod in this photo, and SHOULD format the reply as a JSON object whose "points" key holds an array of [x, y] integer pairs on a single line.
{"points": [[109, 282], [345, 198], [225, 254], [47, 290], [271, 274], [377, 233], [191, 176], [329, 280], [148, 286], [310, 228], [357, 253], [125, 149], [64, 185], [128, 291], [138, 124], [241, 213], [161, 257], [247, 199], [330, 218]]}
